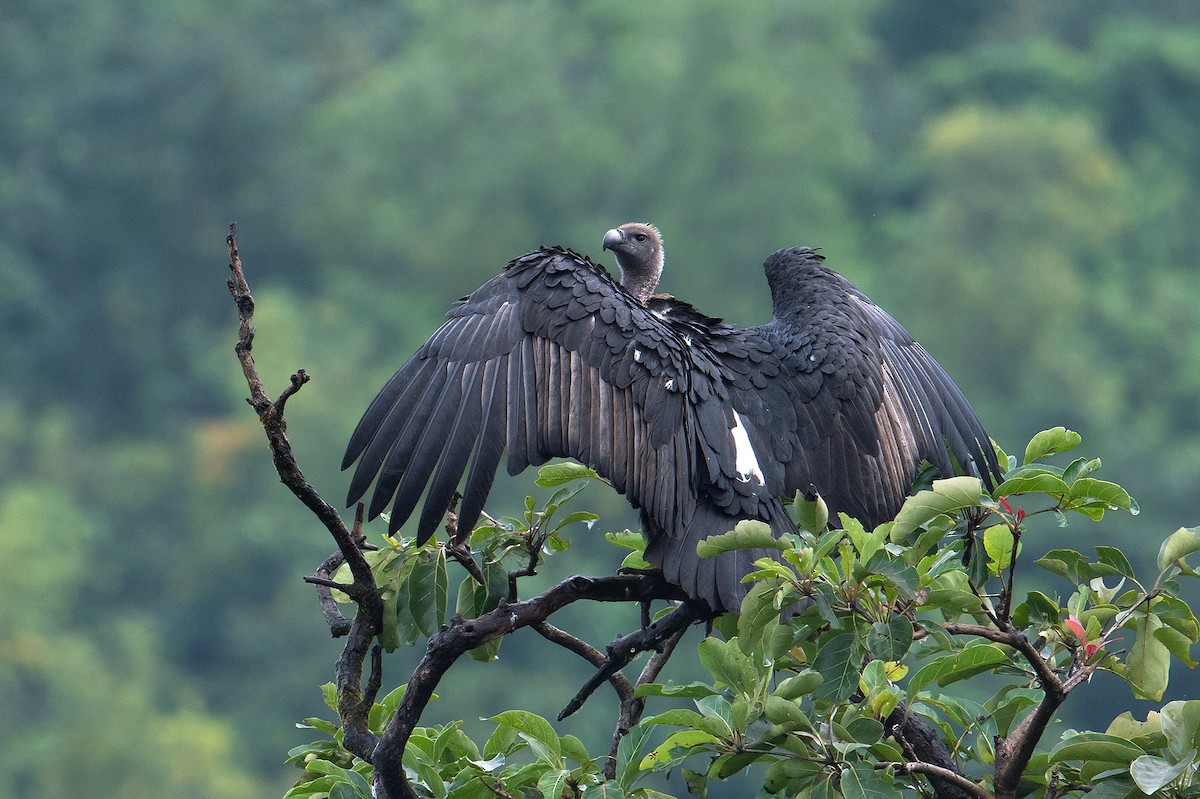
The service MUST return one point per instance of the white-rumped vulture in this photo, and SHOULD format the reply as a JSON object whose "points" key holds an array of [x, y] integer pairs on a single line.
{"points": [[699, 423]]}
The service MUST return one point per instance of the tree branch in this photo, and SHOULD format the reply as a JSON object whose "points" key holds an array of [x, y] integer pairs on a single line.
{"points": [[922, 742], [623, 650], [586, 651], [353, 703], [966, 786], [631, 709], [1014, 751]]}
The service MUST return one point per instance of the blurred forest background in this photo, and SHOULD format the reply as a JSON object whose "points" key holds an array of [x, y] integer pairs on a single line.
{"points": [[1018, 182]]}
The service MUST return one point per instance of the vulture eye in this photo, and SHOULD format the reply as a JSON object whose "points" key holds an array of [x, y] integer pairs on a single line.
{"points": [[640, 236]]}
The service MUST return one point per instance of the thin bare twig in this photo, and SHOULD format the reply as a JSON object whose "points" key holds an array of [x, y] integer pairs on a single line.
{"points": [[623, 650], [632, 708], [591, 654], [353, 704]]}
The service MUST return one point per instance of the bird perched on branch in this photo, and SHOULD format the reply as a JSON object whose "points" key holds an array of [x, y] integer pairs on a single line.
{"points": [[699, 423]]}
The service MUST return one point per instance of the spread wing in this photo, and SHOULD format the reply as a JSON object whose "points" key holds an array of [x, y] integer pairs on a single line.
{"points": [[856, 405], [552, 358]]}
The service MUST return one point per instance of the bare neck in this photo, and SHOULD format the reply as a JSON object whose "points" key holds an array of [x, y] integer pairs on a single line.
{"points": [[638, 278]]}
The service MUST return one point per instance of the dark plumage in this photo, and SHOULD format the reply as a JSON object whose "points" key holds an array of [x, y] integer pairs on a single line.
{"points": [[699, 423]]}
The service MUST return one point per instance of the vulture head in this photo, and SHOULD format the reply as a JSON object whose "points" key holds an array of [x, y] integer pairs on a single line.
{"points": [[639, 252]]}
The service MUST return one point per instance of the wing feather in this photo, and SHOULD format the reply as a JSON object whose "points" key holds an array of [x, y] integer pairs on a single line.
{"points": [[866, 404]]}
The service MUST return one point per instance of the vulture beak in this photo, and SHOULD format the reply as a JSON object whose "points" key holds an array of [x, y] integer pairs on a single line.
{"points": [[613, 238]]}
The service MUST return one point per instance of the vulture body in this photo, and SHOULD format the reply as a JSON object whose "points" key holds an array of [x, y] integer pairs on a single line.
{"points": [[699, 423]]}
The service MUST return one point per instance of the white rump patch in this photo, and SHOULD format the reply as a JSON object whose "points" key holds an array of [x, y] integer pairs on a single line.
{"points": [[746, 462]]}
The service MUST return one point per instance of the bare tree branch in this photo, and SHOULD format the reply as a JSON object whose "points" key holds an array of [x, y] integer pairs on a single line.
{"points": [[353, 703], [623, 650], [586, 651], [631, 709]]}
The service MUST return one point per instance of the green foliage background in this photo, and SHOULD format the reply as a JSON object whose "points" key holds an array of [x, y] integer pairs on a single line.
{"points": [[1016, 181]]}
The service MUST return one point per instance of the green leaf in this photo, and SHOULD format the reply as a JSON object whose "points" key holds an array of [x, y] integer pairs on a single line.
{"points": [[865, 730], [903, 577], [890, 640], [552, 783], [998, 542], [1126, 726], [555, 474], [1110, 496], [586, 517], [811, 515], [717, 707], [1037, 610], [561, 497], [748, 534], [1117, 787], [1153, 773], [533, 728], [863, 781], [343, 775], [798, 685], [344, 790], [428, 591], [678, 717], [974, 659], [1149, 661], [790, 775], [660, 756], [382, 711], [1037, 481], [1175, 613], [629, 755], [725, 661], [838, 666], [627, 539], [1178, 546], [1177, 644], [1115, 560], [828, 542], [692, 690], [947, 497], [329, 695], [1080, 467], [1180, 723], [1090, 746], [427, 772], [1050, 442], [758, 616], [786, 713], [1067, 563]]}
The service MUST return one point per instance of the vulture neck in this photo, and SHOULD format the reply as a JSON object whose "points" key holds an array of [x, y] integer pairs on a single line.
{"points": [[639, 277]]}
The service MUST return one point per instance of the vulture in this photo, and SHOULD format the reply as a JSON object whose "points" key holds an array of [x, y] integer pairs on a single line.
{"points": [[699, 423]]}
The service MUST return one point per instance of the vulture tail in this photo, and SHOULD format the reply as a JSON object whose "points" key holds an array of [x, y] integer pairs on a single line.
{"points": [[716, 580]]}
